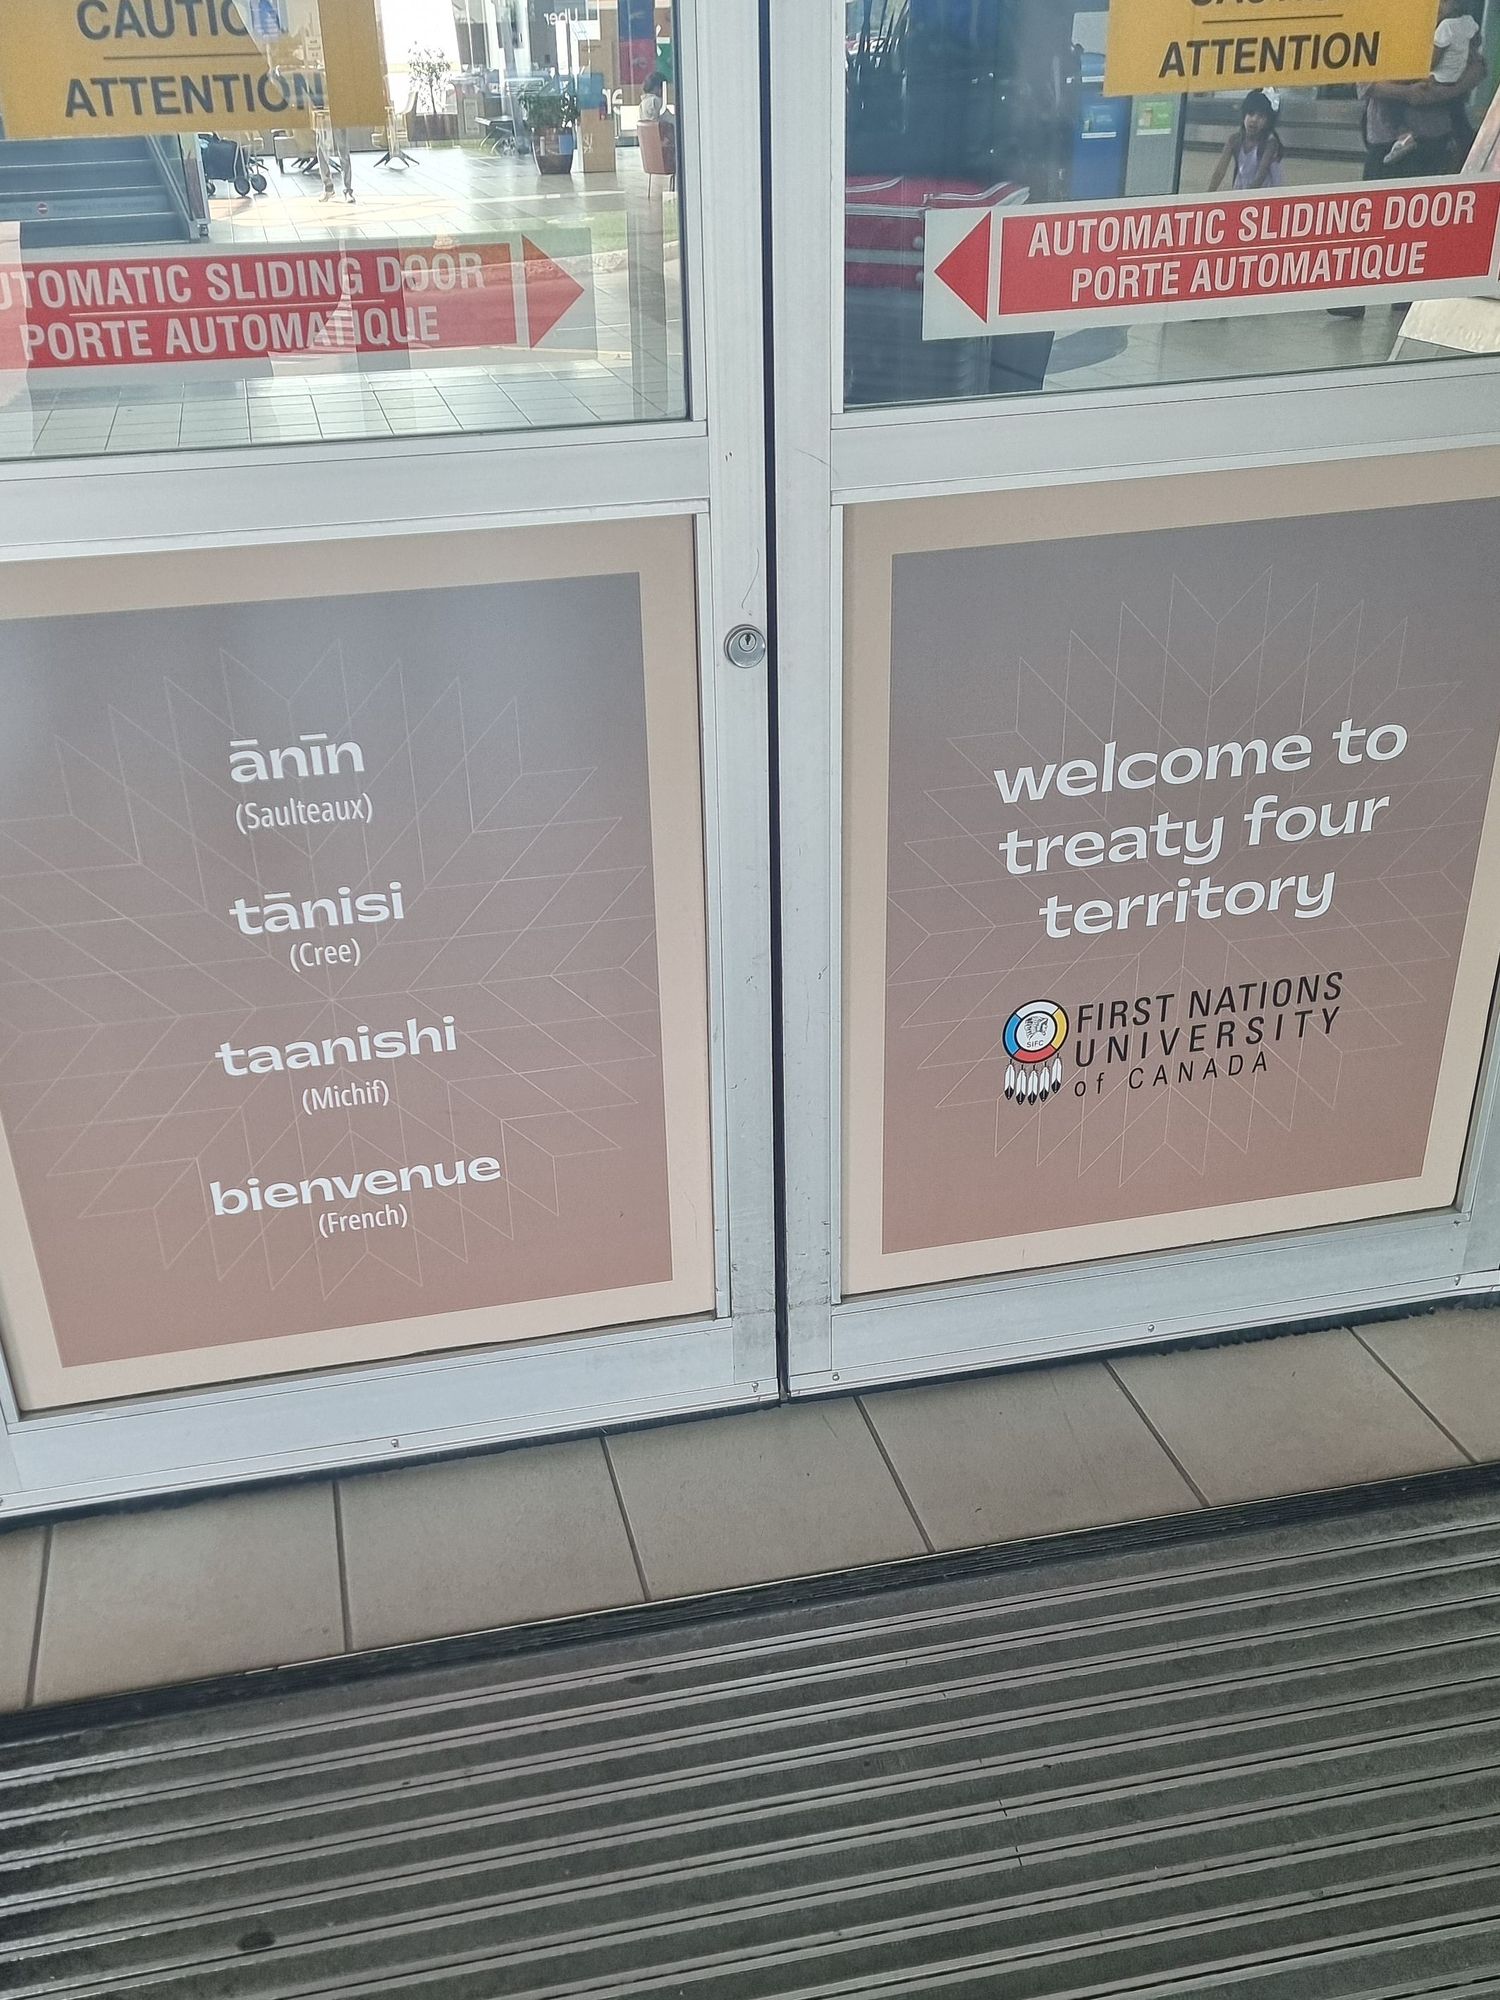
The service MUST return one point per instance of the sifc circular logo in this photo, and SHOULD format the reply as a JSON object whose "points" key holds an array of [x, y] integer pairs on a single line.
{"points": [[1034, 1037]]}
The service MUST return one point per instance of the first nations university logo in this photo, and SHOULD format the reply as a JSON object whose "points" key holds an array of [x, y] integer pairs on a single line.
{"points": [[1034, 1036]]}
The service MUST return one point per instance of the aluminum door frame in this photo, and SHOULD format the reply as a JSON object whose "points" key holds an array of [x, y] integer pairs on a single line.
{"points": [[827, 460], [709, 468]]}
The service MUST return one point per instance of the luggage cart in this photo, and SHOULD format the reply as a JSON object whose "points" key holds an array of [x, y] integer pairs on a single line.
{"points": [[230, 160]]}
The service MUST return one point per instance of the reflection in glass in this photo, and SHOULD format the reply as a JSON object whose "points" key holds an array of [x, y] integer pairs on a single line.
{"points": [[1001, 103], [415, 217]]}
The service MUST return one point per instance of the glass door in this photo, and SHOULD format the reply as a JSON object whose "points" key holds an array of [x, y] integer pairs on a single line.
{"points": [[385, 1061], [1138, 732]]}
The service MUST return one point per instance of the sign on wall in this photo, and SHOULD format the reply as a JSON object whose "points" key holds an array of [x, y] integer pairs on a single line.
{"points": [[1172, 868], [352, 999], [295, 302], [1055, 266], [74, 69], [1157, 46]]}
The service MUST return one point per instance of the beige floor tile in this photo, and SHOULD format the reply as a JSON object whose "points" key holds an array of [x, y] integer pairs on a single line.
{"points": [[1451, 1363], [134, 1600], [498, 1540], [1029, 1453], [20, 1580], [1283, 1416], [736, 1500]]}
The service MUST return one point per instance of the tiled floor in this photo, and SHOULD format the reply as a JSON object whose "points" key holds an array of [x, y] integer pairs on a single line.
{"points": [[20, 1595], [1027, 1454], [1243, 1421], [249, 1580], [737, 1500], [95, 1605], [1219, 349], [483, 1541], [631, 370]]}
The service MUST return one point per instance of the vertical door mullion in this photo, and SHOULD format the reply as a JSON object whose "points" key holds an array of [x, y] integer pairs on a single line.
{"points": [[806, 57], [723, 211]]}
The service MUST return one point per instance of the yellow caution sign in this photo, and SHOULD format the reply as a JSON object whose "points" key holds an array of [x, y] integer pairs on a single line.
{"points": [[1161, 46], [74, 69]]}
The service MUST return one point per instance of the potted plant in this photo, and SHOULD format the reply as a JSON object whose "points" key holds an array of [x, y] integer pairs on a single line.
{"points": [[551, 112], [428, 69]]}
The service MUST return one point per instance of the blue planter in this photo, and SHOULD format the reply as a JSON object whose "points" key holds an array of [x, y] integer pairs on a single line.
{"points": [[553, 151]]}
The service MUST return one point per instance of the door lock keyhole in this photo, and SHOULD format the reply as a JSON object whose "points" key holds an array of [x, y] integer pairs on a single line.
{"points": [[745, 646]]}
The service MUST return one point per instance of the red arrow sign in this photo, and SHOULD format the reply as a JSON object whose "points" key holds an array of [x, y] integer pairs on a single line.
{"points": [[551, 292], [300, 299], [966, 269]]}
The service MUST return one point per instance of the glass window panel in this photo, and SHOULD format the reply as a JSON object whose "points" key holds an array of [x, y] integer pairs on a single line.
{"points": [[229, 222], [1015, 223]]}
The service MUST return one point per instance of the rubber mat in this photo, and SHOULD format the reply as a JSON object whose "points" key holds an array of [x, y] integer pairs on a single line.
{"points": [[1262, 1765]]}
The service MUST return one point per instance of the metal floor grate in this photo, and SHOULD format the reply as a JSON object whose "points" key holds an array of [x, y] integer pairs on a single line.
{"points": [[1260, 1766]]}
